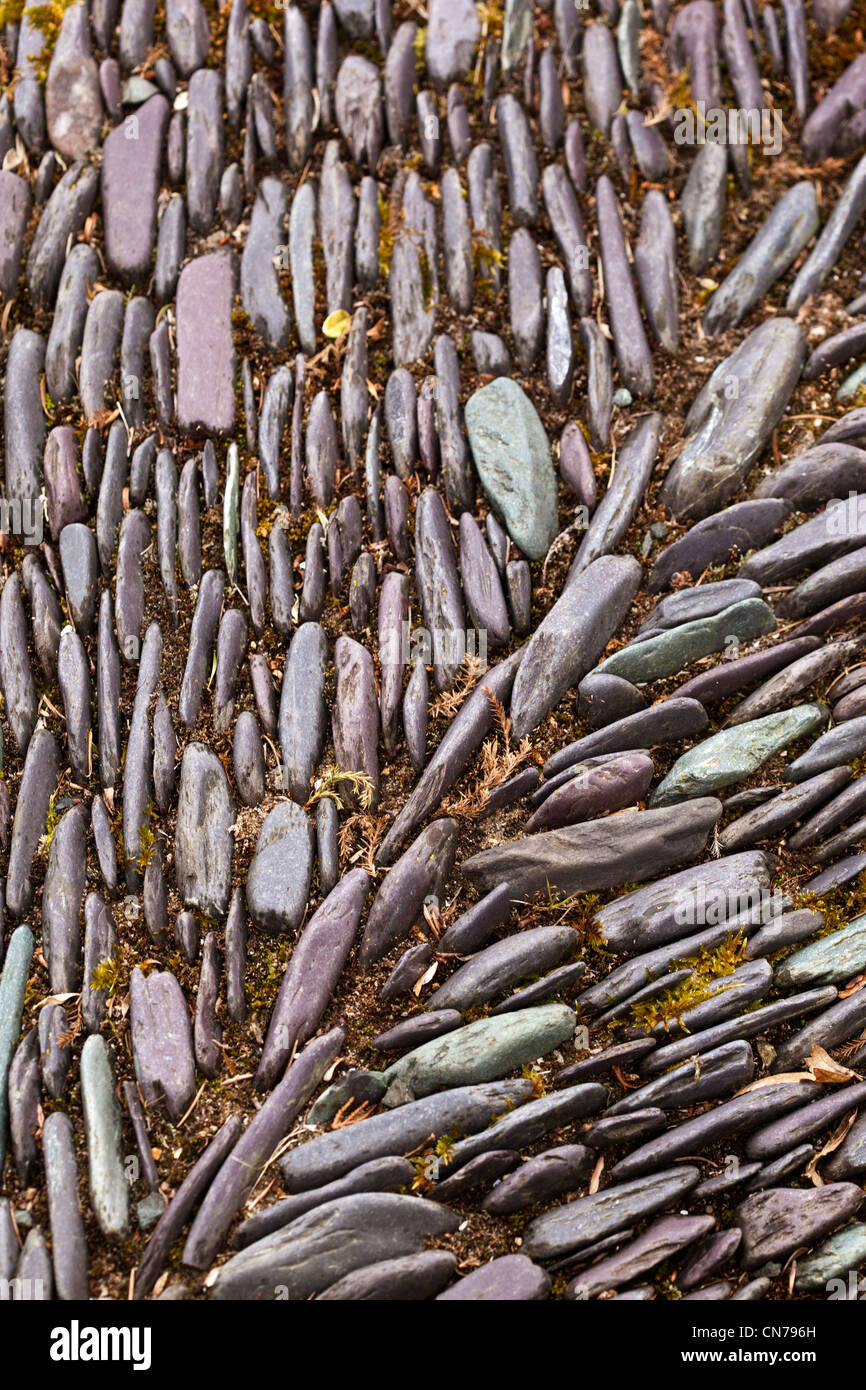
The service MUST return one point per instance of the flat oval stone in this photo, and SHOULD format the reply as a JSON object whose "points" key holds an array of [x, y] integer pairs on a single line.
{"points": [[203, 842], [512, 455], [131, 165], [278, 879], [548, 1174], [162, 1046], [109, 1189], [596, 854], [508, 1279], [569, 640], [205, 345], [783, 1219], [735, 753], [732, 418], [482, 1051]]}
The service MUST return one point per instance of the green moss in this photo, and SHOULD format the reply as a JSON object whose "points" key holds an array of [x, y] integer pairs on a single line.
{"points": [[706, 968]]}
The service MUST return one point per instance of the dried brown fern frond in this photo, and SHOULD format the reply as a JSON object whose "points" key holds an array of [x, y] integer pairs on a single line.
{"points": [[449, 702], [497, 765], [360, 836]]}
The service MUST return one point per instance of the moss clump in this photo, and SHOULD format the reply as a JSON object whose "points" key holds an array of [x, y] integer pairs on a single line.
{"points": [[51, 821], [706, 968], [106, 976], [46, 20], [147, 845]]}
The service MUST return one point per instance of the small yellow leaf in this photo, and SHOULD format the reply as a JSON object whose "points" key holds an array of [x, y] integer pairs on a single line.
{"points": [[336, 324]]}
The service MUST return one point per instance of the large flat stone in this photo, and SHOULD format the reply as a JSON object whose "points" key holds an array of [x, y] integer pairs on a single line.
{"points": [[205, 346], [512, 456]]}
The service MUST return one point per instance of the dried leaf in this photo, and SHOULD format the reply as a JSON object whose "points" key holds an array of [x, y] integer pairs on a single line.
{"points": [[595, 1180], [336, 324], [836, 1138], [825, 1070]]}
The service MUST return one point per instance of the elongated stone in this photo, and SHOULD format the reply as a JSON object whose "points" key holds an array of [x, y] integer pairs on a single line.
{"points": [[789, 227], [732, 418], [736, 753], [784, 1135], [586, 615], [748, 1025], [704, 601], [13, 983], [261, 294], [15, 204], [131, 164], [203, 631], [617, 509], [632, 350], [784, 687], [421, 871], [109, 1189], [438, 586], [38, 784], [63, 216], [655, 266], [664, 1238], [312, 974], [62, 898], [588, 1219], [670, 650], [601, 75], [204, 148], [242, 1168], [741, 1114], [203, 845], [162, 1044], [531, 1122], [337, 215], [482, 1051], [722, 1070], [302, 708], [16, 675], [548, 1174], [464, 1110], [174, 1217], [782, 1219], [68, 1241], [832, 749], [616, 784], [834, 235], [80, 269], [776, 814]]}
